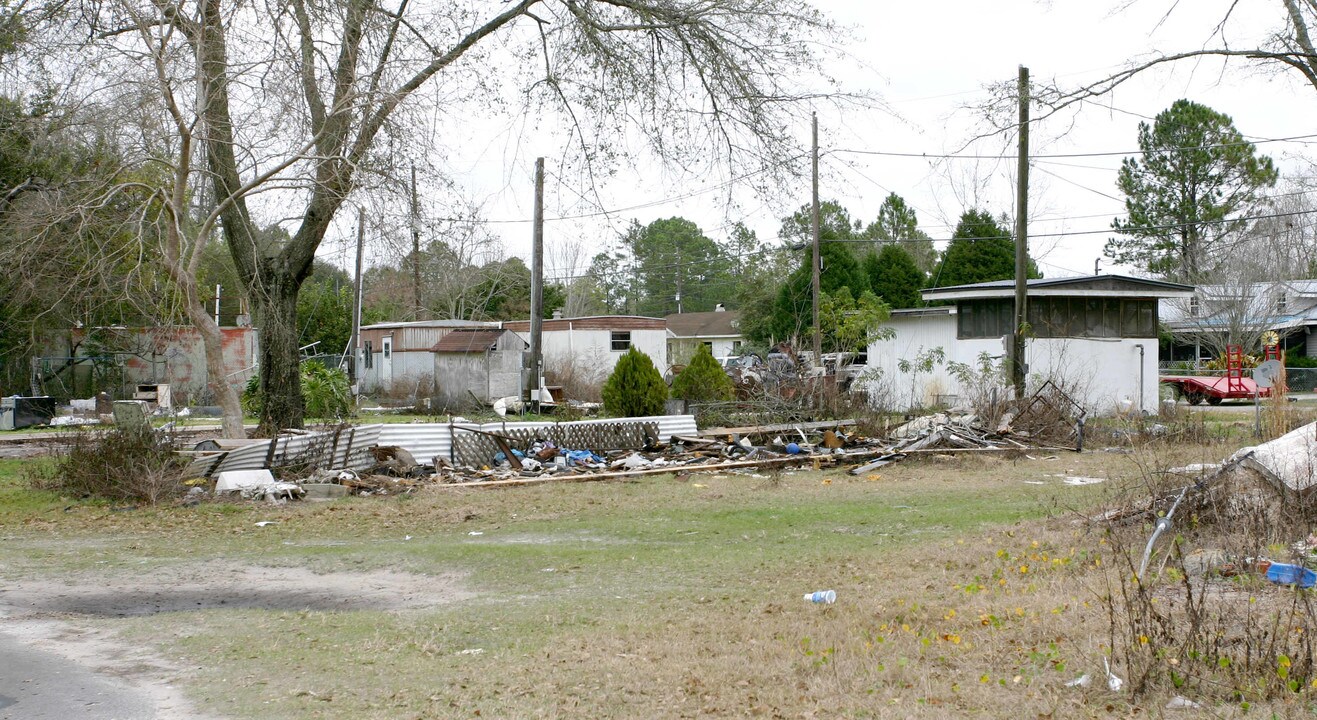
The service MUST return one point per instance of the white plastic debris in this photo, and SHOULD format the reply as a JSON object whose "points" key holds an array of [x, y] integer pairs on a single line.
{"points": [[1289, 460], [239, 480], [1081, 681], [1180, 702], [65, 420], [263, 523], [634, 461], [1082, 480], [475, 533], [471, 651], [1113, 683]]}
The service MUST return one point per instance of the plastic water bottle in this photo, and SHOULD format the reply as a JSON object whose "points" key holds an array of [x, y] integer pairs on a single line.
{"points": [[824, 597]]}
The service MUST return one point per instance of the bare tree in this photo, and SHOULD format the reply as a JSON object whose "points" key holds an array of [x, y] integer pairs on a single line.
{"points": [[287, 103]]}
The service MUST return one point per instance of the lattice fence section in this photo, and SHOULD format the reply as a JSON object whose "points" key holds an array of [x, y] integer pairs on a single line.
{"points": [[476, 449]]}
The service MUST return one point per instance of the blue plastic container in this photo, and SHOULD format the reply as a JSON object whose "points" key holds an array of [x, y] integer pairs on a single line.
{"points": [[1283, 574]]}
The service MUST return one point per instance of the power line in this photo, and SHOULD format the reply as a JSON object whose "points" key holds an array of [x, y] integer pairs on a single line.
{"points": [[943, 156]]}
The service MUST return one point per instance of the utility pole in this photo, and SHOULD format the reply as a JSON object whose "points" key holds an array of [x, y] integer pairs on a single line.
{"points": [[218, 288], [418, 309], [814, 231], [677, 250], [356, 302], [537, 290], [1018, 369]]}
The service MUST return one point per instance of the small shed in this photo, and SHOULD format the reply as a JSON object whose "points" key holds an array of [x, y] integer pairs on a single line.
{"points": [[477, 364], [1095, 336], [396, 357]]}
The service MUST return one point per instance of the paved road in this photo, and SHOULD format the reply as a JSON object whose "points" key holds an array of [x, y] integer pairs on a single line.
{"points": [[38, 685]]}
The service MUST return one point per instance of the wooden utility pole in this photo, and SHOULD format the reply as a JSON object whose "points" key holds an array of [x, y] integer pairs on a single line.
{"points": [[536, 291], [356, 301], [418, 308], [814, 231], [1019, 370]]}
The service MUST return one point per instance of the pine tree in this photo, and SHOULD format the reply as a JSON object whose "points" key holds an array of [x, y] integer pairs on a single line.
{"points": [[894, 277], [636, 388]]}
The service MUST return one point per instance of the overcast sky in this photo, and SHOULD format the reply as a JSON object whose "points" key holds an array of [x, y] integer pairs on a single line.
{"points": [[931, 63]]}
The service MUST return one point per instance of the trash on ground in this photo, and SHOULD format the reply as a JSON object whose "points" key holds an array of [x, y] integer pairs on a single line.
{"points": [[823, 597], [1113, 683], [1286, 574], [1081, 681], [240, 480], [1179, 702]]}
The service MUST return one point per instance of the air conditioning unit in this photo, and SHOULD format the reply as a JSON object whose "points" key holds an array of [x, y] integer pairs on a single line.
{"points": [[18, 412]]}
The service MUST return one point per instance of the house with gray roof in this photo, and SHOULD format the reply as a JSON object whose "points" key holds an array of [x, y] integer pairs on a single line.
{"points": [[1217, 315], [719, 330]]}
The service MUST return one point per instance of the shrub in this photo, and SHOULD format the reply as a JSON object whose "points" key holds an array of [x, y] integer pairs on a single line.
{"points": [[1295, 359], [126, 464], [325, 392], [703, 380], [635, 389]]}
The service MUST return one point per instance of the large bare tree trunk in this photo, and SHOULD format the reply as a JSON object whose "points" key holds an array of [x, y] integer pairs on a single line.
{"points": [[281, 376]]}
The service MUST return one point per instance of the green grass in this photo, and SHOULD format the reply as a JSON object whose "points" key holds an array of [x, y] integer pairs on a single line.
{"points": [[662, 597], [18, 501]]}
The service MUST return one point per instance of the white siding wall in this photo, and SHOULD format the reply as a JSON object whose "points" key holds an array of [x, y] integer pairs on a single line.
{"points": [[408, 368], [1103, 373], [681, 350], [591, 353]]}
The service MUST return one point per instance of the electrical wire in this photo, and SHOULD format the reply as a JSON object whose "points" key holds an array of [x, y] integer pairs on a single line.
{"points": [[945, 156]]}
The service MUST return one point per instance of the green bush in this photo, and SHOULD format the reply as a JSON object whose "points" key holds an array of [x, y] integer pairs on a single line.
{"points": [[636, 388], [1296, 359], [325, 392], [703, 380]]}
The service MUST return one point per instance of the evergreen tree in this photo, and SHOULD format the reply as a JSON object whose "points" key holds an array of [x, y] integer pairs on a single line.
{"points": [[981, 250], [703, 380], [793, 310], [636, 388], [894, 277], [898, 223]]}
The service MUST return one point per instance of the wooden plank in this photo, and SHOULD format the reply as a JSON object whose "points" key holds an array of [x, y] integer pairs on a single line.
{"points": [[665, 470]]}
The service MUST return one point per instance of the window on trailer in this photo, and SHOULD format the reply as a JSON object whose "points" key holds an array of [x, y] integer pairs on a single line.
{"points": [[621, 340], [1057, 317]]}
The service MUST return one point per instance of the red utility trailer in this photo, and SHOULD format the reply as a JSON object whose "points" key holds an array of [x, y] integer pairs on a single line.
{"points": [[1215, 388]]}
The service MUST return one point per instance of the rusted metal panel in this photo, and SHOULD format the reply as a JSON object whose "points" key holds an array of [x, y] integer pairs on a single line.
{"points": [[468, 341]]}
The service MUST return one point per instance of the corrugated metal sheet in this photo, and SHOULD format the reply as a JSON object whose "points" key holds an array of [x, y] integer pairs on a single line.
{"points": [[424, 441], [345, 447]]}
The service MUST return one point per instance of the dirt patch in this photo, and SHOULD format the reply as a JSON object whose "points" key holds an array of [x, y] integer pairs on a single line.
{"points": [[212, 586]]}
